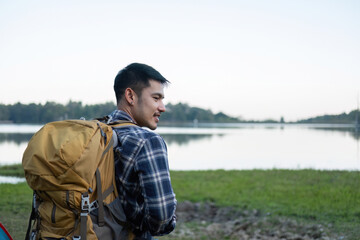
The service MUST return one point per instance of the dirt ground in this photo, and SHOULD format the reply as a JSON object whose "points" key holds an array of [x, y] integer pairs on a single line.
{"points": [[207, 221]]}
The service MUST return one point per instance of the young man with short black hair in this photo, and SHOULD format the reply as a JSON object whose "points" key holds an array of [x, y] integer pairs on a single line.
{"points": [[141, 162]]}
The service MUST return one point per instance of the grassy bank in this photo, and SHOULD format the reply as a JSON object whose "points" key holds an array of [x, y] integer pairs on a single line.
{"points": [[15, 208], [14, 170], [327, 197]]}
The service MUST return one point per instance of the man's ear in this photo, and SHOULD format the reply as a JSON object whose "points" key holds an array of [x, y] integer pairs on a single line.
{"points": [[130, 96]]}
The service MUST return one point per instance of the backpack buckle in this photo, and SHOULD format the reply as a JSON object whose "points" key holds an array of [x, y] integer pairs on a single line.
{"points": [[86, 206], [85, 200], [94, 205]]}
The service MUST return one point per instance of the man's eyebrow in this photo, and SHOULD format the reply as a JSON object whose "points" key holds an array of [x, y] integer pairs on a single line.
{"points": [[158, 94]]}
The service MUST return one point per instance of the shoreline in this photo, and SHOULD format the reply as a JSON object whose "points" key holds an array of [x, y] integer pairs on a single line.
{"points": [[13, 173]]}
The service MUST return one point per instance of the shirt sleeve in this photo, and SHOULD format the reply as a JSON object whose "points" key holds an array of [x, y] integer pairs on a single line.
{"points": [[159, 199]]}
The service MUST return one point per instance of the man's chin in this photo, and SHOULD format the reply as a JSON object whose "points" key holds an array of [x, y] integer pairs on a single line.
{"points": [[152, 126]]}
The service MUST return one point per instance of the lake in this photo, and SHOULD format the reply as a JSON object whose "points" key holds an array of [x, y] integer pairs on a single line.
{"points": [[234, 146]]}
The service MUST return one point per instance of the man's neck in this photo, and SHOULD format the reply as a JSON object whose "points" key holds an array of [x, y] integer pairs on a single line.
{"points": [[127, 110]]}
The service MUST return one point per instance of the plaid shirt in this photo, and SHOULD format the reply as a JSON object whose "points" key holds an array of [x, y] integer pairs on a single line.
{"points": [[143, 179]]}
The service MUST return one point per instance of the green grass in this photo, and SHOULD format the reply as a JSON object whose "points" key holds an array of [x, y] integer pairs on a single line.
{"points": [[14, 170], [15, 208], [306, 195]]}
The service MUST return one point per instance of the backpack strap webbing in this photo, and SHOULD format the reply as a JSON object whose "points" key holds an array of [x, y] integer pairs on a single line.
{"points": [[108, 191], [106, 120], [100, 199], [32, 216], [100, 194], [84, 214], [121, 123]]}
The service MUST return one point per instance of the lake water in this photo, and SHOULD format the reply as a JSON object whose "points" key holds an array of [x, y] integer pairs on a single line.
{"points": [[234, 146]]}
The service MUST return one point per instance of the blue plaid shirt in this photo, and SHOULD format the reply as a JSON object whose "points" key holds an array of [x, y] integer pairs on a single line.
{"points": [[143, 179]]}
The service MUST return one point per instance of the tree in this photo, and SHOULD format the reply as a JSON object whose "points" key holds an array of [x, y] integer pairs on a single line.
{"points": [[4, 112]]}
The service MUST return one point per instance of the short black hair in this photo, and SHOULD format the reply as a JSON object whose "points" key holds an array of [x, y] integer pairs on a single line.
{"points": [[136, 76]]}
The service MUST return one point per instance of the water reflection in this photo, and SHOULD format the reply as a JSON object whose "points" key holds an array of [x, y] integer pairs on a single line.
{"points": [[183, 139], [354, 133], [180, 139], [236, 146], [17, 138], [184, 135]]}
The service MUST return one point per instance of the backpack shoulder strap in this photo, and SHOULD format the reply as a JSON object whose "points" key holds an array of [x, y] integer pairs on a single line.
{"points": [[115, 124], [119, 124]]}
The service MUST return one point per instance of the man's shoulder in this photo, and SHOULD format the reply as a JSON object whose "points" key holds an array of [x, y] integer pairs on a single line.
{"points": [[134, 139], [137, 132]]}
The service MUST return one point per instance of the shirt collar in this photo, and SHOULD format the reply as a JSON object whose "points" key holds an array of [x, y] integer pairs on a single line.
{"points": [[119, 115]]}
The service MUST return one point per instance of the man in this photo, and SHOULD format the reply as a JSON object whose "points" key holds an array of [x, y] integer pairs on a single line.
{"points": [[141, 164]]}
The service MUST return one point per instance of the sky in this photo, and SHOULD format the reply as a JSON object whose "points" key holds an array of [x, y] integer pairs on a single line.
{"points": [[250, 59]]}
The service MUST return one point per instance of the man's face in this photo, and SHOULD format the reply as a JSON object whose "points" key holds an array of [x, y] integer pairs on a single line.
{"points": [[149, 105]]}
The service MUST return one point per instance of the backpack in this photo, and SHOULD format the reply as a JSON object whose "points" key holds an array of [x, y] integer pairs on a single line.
{"points": [[70, 166]]}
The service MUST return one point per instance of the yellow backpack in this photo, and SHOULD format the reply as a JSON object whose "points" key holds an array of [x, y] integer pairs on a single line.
{"points": [[70, 166]]}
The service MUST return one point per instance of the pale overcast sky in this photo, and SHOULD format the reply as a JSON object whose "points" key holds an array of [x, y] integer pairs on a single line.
{"points": [[254, 59]]}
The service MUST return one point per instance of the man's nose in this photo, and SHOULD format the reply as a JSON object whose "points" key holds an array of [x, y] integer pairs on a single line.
{"points": [[162, 107]]}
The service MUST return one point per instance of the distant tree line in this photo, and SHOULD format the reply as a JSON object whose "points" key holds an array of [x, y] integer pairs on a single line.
{"points": [[51, 111], [175, 113], [181, 112], [350, 117]]}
